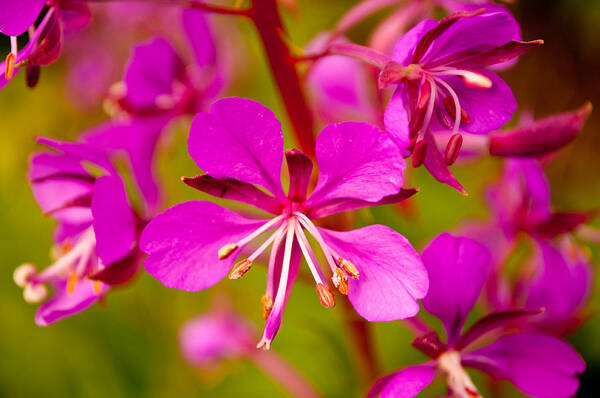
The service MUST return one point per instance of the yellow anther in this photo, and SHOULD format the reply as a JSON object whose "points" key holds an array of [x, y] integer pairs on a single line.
{"points": [[226, 250], [349, 268], [240, 269]]}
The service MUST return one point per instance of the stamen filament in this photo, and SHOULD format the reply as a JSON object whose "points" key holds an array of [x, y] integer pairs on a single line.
{"points": [[303, 243], [13, 45], [430, 106], [263, 228], [272, 257], [310, 227], [266, 244]]}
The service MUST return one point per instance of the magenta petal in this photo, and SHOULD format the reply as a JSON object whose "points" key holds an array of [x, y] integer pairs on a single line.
{"points": [[50, 47], [406, 383], [198, 32], [334, 206], [475, 33], [395, 119], [114, 221], [358, 161], [392, 276], [538, 365], [139, 139], [403, 50], [488, 109], [150, 72], [75, 14], [435, 164], [81, 151], [457, 269], [183, 243], [234, 190], [64, 304], [247, 135], [16, 16], [560, 286]]}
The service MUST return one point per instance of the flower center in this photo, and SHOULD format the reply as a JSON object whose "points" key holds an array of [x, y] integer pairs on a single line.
{"points": [[459, 382]]}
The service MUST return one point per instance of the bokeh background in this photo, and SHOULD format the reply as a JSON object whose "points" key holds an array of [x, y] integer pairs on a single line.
{"points": [[128, 348]]}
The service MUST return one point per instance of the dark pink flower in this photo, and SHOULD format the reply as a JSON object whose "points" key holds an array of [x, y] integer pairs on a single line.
{"points": [[537, 364], [95, 242], [239, 144]]}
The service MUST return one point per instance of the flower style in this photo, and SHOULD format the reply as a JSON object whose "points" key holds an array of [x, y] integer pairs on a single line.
{"points": [[159, 86], [45, 40], [537, 364], [443, 84], [193, 245], [96, 234]]}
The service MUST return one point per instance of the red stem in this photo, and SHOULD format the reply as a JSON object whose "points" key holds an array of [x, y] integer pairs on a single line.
{"points": [[360, 334], [266, 18]]}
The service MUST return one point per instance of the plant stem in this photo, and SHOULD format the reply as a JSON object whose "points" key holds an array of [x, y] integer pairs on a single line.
{"points": [[266, 18], [361, 342]]}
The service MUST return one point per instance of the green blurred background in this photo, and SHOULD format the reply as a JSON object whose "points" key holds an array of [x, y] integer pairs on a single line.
{"points": [[128, 348]]}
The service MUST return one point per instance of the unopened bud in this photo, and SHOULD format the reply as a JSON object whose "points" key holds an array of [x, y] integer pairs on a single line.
{"points": [[453, 149], [9, 66], [32, 75], [23, 274], [418, 155], [267, 305], [325, 296], [349, 268], [240, 269], [34, 293], [226, 250], [340, 281]]}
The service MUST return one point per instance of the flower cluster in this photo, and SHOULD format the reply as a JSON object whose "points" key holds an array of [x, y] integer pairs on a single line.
{"points": [[430, 93]]}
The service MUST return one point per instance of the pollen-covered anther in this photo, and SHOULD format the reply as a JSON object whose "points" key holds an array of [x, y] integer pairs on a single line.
{"points": [[325, 296], [34, 293], [9, 66], [23, 274], [240, 269], [475, 79], [267, 305], [340, 281], [72, 282], [226, 250], [349, 268]]}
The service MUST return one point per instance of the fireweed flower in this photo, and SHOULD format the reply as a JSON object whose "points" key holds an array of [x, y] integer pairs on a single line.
{"points": [[537, 364], [559, 275], [159, 86], [439, 68], [96, 234], [45, 40], [193, 245]]}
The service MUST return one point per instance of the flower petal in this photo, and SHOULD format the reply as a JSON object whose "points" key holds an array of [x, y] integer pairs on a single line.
{"points": [[392, 276], [488, 108], [358, 161], [200, 37], [16, 16], [64, 304], [406, 383], [538, 365], [395, 119], [183, 243], [234, 190], [300, 170], [151, 71], [240, 139], [403, 50], [334, 206], [114, 221], [457, 269], [81, 151]]}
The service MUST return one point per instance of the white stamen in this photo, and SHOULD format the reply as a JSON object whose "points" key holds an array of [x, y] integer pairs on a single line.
{"points": [[458, 380], [310, 227], [303, 243], [272, 257], [263, 228], [85, 245], [23, 273], [430, 106], [470, 78], [34, 293], [13, 45], [266, 244]]}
